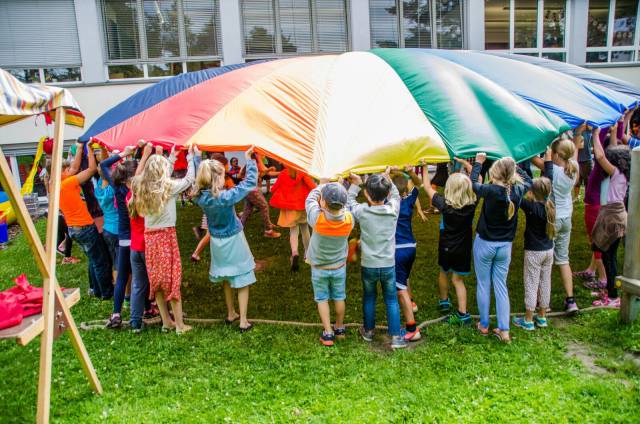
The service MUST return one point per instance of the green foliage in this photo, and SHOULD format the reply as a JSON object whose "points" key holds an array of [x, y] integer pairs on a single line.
{"points": [[281, 373]]}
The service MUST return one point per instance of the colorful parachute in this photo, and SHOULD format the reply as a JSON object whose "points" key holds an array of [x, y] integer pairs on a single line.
{"points": [[360, 111]]}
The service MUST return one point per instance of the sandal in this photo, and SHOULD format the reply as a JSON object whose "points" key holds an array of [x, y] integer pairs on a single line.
{"points": [[482, 330], [246, 329], [231, 321], [499, 334], [195, 258]]}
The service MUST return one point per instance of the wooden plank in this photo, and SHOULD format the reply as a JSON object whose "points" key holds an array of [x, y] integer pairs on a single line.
{"points": [[48, 291], [32, 326]]}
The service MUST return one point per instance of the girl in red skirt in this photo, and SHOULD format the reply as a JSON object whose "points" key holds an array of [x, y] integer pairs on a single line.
{"points": [[154, 197]]}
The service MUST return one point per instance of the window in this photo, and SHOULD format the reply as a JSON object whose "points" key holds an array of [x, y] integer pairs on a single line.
{"points": [[529, 27], [416, 23], [159, 38], [292, 27], [49, 54], [611, 31]]}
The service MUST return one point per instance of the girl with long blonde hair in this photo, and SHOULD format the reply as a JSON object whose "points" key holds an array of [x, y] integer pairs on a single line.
{"points": [[232, 263], [458, 207], [154, 197], [565, 175], [496, 230], [540, 231]]}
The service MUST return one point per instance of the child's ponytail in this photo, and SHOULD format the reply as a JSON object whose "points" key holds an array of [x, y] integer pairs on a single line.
{"points": [[550, 208], [565, 149], [512, 207]]}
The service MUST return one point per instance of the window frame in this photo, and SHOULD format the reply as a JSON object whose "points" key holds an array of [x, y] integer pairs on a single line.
{"points": [[539, 50], [433, 19], [277, 33], [144, 61], [610, 48]]}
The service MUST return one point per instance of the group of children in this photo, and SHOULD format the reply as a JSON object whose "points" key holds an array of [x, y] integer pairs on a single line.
{"points": [[137, 197]]}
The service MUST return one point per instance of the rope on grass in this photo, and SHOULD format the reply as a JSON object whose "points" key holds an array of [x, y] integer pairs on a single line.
{"points": [[100, 324]]}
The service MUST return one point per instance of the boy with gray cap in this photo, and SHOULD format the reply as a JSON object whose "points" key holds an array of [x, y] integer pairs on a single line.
{"points": [[327, 254]]}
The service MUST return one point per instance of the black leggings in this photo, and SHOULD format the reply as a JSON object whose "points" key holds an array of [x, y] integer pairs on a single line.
{"points": [[63, 235], [610, 261]]}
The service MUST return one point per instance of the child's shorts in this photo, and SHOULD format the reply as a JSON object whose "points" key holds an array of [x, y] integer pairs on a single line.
{"points": [[456, 262], [405, 257], [329, 284]]}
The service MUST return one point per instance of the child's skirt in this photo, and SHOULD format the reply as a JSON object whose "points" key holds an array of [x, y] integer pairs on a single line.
{"points": [[289, 218], [163, 262], [232, 261]]}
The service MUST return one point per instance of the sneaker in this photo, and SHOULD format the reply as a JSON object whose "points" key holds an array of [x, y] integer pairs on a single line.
{"points": [[414, 307], [540, 322], [70, 260], [570, 307], [327, 339], [115, 321], [91, 293], [595, 285], [412, 336], [607, 302], [398, 342], [367, 335], [272, 234], [444, 306], [457, 319], [136, 328], [295, 263], [340, 333], [524, 324], [585, 275]]}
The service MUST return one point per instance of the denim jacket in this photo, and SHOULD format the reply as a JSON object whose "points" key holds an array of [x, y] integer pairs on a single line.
{"points": [[220, 211]]}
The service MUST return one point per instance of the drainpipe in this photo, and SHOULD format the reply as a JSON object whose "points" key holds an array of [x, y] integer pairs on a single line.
{"points": [[630, 281]]}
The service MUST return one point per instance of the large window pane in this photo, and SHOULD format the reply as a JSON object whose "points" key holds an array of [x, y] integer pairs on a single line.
{"points": [[597, 57], [52, 75], [449, 24], [554, 23], [383, 15], [526, 24], [199, 66], [598, 23], [496, 24], [295, 26], [200, 27], [417, 23], [27, 76], [624, 25], [259, 27], [624, 56], [332, 25], [121, 29], [164, 69], [161, 26], [560, 57]]}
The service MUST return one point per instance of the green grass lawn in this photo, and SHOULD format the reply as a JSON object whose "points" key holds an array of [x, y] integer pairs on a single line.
{"points": [[579, 370]]}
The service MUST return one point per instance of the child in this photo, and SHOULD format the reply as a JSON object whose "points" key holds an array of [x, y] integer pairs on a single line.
{"points": [[405, 253], [538, 249], [289, 194], [139, 276], [458, 207], [378, 219], [234, 170], [256, 200], [611, 223], [119, 183], [155, 199], [565, 174], [232, 263], [327, 254], [496, 230], [81, 225], [106, 199]]}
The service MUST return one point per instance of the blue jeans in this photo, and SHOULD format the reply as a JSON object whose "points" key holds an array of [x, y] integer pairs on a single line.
{"points": [[491, 261], [387, 278], [94, 247], [124, 271], [111, 240], [139, 287]]}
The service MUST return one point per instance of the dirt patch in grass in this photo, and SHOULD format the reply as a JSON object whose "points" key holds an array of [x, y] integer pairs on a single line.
{"points": [[583, 354]]}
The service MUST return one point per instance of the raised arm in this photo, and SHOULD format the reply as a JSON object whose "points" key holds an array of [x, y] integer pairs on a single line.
{"points": [[426, 181], [625, 126], [598, 152], [547, 169], [478, 187], [312, 206], [352, 204], [465, 164], [147, 149], [613, 137], [180, 185], [106, 164], [77, 159], [86, 174]]}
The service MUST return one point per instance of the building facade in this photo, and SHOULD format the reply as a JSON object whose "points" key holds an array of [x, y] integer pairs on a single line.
{"points": [[106, 50]]}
